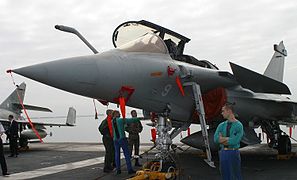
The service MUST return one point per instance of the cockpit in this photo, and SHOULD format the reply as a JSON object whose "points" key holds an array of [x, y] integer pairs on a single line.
{"points": [[149, 42], [144, 36]]}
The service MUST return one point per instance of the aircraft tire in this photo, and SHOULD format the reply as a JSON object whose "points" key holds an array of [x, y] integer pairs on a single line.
{"points": [[284, 145]]}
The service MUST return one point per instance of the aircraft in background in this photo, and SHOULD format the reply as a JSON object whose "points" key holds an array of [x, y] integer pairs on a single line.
{"points": [[149, 70], [12, 106]]}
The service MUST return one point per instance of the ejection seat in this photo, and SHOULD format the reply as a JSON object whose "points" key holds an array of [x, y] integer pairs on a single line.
{"points": [[172, 48]]}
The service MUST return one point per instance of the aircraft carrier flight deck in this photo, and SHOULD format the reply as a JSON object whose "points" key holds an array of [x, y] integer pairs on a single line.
{"points": [[85, 161]]}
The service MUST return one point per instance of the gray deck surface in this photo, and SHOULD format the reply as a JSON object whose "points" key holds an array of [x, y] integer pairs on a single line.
{"points": [[85, 161]]}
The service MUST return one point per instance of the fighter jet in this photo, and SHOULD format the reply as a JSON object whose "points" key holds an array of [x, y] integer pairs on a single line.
{"points": [[148, 70], [13, 106]]}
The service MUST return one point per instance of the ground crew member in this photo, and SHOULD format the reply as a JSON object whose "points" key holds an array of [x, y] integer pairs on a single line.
{"points": [[133, 139], [228, 135], [120, 141], [12, 134], [2, 158], [109, 162]]}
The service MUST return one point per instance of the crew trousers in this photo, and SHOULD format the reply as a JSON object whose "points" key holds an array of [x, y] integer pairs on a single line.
{"points": [[109, 153], [122, 143], [230, 164], [2, 159]]}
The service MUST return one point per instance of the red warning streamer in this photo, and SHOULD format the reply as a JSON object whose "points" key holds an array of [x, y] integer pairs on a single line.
{"points": [[180, 86], [153, 134], [35, 131], [109, 123], [123, 106], [25, 111]]}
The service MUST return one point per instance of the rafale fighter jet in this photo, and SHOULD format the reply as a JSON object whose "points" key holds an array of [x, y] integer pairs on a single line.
{"points": [[149, 70], [12, 106]]}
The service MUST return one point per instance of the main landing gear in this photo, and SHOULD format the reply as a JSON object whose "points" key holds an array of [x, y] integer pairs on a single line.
{"points": [[284, 145], [278, 139]]}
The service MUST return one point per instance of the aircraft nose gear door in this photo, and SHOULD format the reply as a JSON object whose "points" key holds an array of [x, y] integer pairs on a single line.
{"points": [[200, 111]]}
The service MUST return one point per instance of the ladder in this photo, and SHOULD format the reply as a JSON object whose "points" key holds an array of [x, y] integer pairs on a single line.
{"points": [[200, 110]]}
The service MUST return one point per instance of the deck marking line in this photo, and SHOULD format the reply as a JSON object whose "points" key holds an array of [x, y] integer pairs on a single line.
{"points": [[56, 169]]}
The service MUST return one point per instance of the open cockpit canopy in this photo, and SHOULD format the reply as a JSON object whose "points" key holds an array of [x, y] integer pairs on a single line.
{"points": [[144, 36], [135, 30]]}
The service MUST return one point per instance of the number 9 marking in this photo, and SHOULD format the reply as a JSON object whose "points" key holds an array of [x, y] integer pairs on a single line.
{"points": [[166, 90]]}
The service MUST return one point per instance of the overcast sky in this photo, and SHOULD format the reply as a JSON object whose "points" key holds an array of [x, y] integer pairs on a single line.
{"points": [[242, 32]]}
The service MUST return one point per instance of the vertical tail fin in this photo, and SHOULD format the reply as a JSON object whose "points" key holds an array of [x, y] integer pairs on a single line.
{"points": [[71, 117], [275, 68], [13, 98]]}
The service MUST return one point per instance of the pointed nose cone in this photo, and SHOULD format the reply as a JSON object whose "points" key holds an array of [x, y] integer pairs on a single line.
{"points": [[76, 75], [36, 72]]}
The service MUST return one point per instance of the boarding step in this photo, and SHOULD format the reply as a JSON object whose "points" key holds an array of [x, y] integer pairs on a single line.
{"points": [[200, 110]]}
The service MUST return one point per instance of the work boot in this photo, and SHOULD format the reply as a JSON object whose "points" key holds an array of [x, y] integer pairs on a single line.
{"points": [[113, 165], [137, 164], [6, 174], [131, 172], [118, 172], [107, 170]]}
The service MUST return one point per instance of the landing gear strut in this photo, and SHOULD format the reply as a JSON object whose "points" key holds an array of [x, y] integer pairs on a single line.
{"points": [[164, 165], [163, 140]]}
